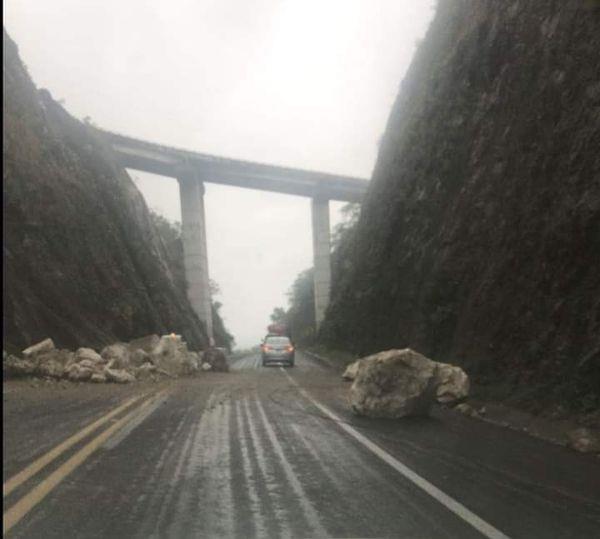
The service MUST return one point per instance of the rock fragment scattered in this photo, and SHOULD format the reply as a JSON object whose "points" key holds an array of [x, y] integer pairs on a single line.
{"points": [[146, 358]]}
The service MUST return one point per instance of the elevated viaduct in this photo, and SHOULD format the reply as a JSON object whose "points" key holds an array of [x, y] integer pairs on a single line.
{"points": [[192, 169]]}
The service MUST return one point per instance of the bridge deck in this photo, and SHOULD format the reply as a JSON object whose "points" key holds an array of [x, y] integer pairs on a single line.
{"points": [[168, 161]]}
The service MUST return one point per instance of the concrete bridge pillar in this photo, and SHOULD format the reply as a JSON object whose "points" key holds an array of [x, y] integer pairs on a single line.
{"points": [[193, 228], [321, 257]]}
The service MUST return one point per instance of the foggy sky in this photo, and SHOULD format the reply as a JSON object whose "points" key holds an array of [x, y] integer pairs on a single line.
{"points": [[305, 83]]}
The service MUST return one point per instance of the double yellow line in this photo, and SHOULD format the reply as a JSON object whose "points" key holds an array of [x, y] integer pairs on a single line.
{"points": [[15, 513]]}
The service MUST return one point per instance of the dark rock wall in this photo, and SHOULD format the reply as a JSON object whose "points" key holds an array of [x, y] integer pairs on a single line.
{"points": [[479, 241], [83, 262]]}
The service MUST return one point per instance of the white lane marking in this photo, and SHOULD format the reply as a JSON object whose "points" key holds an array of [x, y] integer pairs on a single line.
{"points": [[451, 504]]}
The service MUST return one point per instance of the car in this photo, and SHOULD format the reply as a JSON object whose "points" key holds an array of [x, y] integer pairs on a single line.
{"points": [[277, 349]]}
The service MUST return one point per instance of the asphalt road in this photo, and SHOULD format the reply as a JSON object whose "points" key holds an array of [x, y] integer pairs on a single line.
{"points": [[273, 452]]}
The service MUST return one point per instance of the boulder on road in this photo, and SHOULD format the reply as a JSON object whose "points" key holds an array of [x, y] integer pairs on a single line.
{"points": [[216, 359], [98, 378], [88, 354], [145, 371], [172, 356], [52, 363], [117, 355], [47, 345], [138, 357], [191, 363], [452, 384], [119, 376], [351, 371], [394, 384], [76, 373], [51, 368]]}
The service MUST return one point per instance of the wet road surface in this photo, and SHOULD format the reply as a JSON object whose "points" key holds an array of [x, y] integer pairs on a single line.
{"points": [[273, 452]]}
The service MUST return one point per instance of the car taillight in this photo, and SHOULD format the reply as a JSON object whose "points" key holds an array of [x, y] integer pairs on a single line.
{"points": [[266, 347]]}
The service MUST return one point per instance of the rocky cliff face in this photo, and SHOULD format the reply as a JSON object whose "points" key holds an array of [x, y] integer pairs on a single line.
{"points": [[82, 259], [479, 241]]}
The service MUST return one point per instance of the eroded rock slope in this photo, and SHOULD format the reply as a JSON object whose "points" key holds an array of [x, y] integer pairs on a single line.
{"points": [[83, 261]]}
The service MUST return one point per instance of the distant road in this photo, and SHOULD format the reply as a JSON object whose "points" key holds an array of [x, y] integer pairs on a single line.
{"points": [[273, 452]]}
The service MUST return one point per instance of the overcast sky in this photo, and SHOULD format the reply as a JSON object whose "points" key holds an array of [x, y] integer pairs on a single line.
{"points": [[305, 83]]}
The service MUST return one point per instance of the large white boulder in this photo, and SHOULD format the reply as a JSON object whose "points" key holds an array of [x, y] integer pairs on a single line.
{"points": [[171, 355], [46, 345], [394, 383]]}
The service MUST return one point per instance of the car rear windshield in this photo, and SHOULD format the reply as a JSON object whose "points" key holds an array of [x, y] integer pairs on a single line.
{"points": [[277, 340]]}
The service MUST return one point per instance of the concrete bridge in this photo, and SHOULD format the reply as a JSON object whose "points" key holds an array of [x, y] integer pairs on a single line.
{"points": [[192, 169]]}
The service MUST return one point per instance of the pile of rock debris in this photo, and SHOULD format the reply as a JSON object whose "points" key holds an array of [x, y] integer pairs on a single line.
{"points": [[147, 358]]}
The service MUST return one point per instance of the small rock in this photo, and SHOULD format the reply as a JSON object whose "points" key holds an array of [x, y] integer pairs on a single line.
{"points": [[119, 376], [466, 409], [206, 366], [88, 354], [46, 345], [98, 378], [584, 440]]}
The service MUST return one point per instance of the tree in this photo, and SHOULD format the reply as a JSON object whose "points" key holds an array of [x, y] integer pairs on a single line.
{"points": [[222, 337], [301, 314], [278, 316], [350, 215], [214, 287]]}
